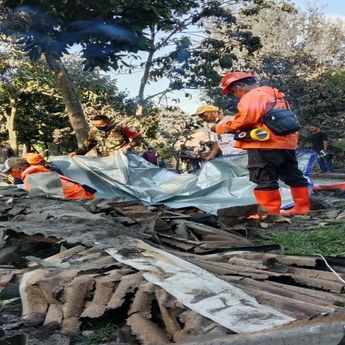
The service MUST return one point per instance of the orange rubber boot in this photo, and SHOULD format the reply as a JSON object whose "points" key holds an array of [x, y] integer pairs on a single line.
{"points": [[270, 199], [300, 196]]}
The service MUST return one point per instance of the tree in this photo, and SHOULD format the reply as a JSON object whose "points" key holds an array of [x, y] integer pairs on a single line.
{"points": [[33, 108], [180, 50], [104, 31], [22, 87], [302, 54]]}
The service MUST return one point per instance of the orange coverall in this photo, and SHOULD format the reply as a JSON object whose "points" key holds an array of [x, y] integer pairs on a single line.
{"points": [[268, 160], [71, 190]]}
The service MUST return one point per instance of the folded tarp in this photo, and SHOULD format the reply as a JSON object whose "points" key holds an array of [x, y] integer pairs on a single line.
{"points": [[220, 183]]}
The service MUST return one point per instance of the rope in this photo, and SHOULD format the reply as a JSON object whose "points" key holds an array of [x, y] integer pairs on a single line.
{"points": [[336, 274]]}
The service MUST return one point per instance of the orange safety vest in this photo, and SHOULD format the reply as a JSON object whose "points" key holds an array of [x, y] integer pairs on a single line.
{"points": [[251, 109], [71, 189]]}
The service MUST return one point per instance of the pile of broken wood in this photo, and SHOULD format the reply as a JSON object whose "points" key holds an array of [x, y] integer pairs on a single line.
{"points": [[79, 284], [57, 254]]}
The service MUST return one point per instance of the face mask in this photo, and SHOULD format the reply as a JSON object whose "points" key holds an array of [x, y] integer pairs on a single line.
{"points": [[102, 128]]}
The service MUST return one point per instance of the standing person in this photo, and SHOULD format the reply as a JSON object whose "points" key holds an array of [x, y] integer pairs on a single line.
{"points": [[151, 156], [320, 143], [224, 142], [274, 158], [105, 138], [5, 153]]}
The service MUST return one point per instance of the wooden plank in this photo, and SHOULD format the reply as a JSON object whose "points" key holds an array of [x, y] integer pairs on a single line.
{"points": [[300, 294], [235, 269], [146, 331], [142, 300], [57, 258], [317, 274], [247, 263], [178, 239], [221, 244], [319, 283], [238, 211], [296, 308], [306, 261], [227, 269], [321, 295], [216, 238], [127, 284], [171, 324], [103, 291]]}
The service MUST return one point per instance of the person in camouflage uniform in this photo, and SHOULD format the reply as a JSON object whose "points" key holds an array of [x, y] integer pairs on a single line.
{"points": [[106, 138]]}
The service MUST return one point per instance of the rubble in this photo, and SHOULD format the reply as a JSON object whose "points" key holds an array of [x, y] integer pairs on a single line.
{"points": [[159, 275]]}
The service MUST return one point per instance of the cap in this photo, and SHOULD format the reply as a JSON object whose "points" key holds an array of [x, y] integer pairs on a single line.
{"points": [[11, 162], [33, 158], [207, 107]]}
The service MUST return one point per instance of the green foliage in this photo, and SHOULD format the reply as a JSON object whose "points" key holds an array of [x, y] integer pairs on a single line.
{"points": [[105, 29], [100, 333], [301, 53], [29, 89], [41, 119], [337, 80], [323, 241], [197, 63]]}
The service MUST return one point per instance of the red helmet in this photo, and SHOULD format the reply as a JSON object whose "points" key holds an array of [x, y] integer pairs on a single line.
{"points": [[232, 77], [33, 158]]}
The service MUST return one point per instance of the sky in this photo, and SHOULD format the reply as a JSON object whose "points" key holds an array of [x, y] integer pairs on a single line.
{"points": [[332, 8]]}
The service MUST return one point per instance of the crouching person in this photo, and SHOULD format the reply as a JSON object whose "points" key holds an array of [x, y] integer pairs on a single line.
{"points": [[38, 179]]}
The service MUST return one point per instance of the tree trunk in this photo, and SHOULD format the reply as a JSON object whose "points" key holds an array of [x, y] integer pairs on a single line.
{"points": [[145, 77], [70, 97], [27, 147], [11, 126]]}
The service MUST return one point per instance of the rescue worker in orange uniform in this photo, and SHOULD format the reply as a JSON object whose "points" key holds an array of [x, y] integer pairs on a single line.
{"points": [[21, 169], [36, 159], [268, 160]]}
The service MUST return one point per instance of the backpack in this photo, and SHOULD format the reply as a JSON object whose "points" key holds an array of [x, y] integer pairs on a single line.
{"points": [[281, 121]]}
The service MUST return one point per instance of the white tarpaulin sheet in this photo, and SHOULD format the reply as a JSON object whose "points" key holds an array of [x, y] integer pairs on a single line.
{"points": [[200, 290], [220, 183]]}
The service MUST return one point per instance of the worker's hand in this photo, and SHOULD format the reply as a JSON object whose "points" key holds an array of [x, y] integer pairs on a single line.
{"points": [[71, 154], [223, 128], [126, 148], [209, 158]]}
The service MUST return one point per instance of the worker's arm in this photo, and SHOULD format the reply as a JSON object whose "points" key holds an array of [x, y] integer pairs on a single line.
{"points": [[132, 137], [251, 109], [214, 152], [325, 141], [89, 144], [132, 143], [325, 145]]}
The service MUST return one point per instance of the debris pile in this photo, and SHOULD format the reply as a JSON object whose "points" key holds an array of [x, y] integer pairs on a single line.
{"points": [[84, 283], [158, 275]]}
